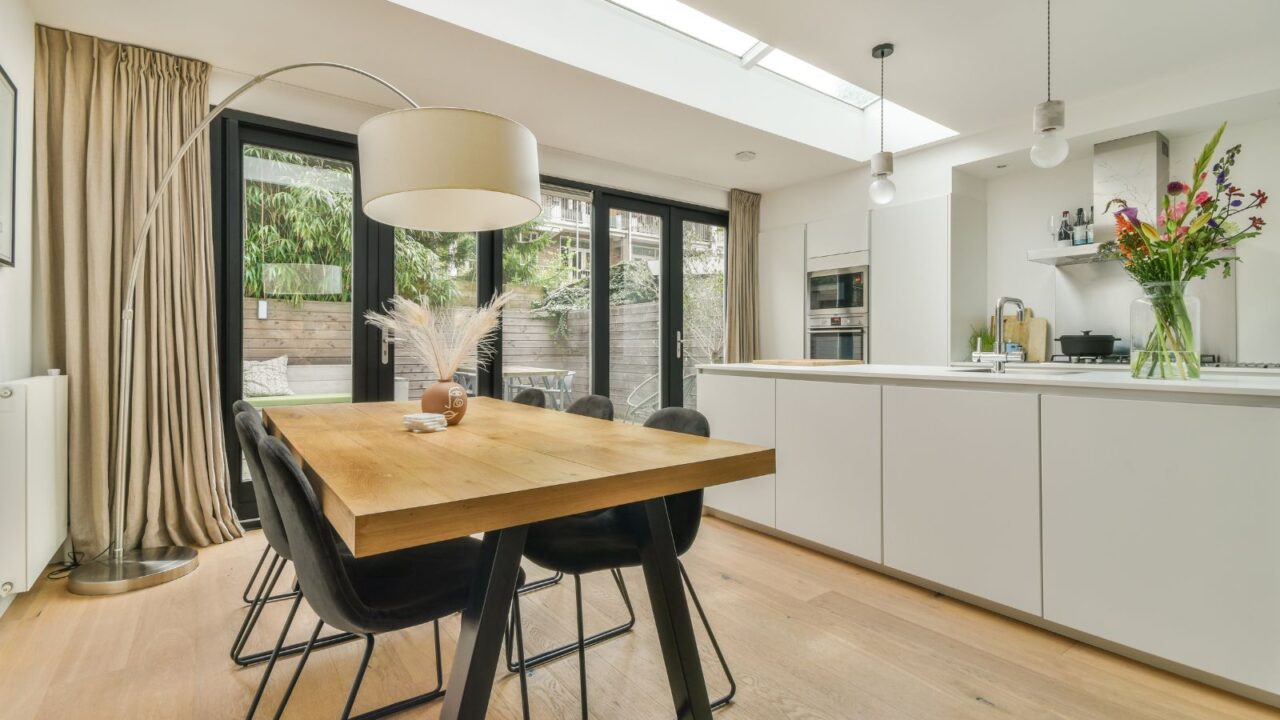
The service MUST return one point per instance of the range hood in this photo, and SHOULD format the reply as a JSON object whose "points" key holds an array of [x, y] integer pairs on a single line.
{"points": [[1134, 169]]}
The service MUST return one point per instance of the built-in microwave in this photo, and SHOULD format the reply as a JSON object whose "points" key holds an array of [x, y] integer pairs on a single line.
{"points": [[841, 291]]}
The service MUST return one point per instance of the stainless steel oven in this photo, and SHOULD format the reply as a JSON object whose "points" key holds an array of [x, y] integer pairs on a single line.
{"points": [[841, 291], [837, 337]]}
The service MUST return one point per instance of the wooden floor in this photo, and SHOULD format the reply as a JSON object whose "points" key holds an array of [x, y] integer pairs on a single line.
{"points": [[809, 637]]}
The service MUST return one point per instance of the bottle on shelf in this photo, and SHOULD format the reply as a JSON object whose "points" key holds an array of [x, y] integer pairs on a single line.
{"points": [[1088, 219], [1079, 234]]}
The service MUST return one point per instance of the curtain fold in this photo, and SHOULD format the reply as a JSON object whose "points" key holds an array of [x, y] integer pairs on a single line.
{"points": [[742, 286], [109, 118]]}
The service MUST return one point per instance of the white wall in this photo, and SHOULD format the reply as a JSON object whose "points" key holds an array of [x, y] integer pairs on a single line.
{"points": [[289, 102], [17, 56]]}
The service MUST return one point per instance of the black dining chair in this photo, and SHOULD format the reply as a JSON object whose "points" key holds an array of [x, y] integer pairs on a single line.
{"points": [[596, 406], [249, 430], [238, 407], [370, 596], [607, 540], [531, 396]]}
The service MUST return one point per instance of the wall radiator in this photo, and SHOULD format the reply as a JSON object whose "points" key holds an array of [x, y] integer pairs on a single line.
{"points": [[33, 479]]}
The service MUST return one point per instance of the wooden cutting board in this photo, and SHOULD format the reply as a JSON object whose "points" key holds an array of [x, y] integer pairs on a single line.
{"points": [[808, 363], [1032, 333]]}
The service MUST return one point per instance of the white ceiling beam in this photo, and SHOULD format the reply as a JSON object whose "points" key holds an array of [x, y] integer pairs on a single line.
{"points": [[752, 57]]}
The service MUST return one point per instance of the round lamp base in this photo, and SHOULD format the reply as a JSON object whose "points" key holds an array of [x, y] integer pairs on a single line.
{"points": [[137, 569]]}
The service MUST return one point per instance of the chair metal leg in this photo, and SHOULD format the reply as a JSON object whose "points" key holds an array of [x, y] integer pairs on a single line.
{"points": [[275, 655], [255, 612], [535, 585], [582, 646], [297, 673], [568, 649], [248, 587], [400, 705], [355, 685], [524, 675], [715, 644]]}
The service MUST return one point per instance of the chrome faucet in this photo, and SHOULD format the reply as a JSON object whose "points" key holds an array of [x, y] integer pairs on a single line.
{"points": [[999, 354]]}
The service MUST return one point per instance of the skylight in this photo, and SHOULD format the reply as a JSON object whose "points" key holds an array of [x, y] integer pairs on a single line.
{"points": [[793, 68], [694, 23], [700, 26]]}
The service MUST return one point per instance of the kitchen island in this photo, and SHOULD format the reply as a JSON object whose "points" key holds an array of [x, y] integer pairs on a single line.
{"points": [[1137, 515]]}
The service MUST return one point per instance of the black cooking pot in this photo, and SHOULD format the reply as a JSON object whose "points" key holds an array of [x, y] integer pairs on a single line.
{"points": [[1088, 344]]}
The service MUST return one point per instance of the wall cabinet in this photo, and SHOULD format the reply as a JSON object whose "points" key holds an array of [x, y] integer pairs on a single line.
{"points": [[828, 482], [836, 235], [910, 300], [962, 490], [1163, 536], [740, 409], [781, 274]]}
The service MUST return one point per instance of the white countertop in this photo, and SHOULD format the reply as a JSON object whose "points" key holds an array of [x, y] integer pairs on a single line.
{"points": [[1057, 375]]}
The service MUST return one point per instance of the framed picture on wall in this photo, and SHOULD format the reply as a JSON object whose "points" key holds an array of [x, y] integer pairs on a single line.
{"points": [[8, 164]]}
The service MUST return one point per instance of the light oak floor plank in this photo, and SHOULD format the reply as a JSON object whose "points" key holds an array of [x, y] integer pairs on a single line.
{"points": [[809, 638]]}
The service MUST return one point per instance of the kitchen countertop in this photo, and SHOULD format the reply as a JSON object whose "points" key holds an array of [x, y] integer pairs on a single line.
{"points": [[1055, 375]]}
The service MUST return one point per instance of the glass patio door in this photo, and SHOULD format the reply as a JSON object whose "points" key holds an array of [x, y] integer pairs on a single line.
{"points": [[658, 302], [299, 265]]}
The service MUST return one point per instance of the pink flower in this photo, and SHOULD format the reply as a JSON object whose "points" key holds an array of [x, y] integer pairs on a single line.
{"points": [[1202, 197], [1204, 175], [1160, 219], [1182, 231], [1176, 188], [1179, 211]]}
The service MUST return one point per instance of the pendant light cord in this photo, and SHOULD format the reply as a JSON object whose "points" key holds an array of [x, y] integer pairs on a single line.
{"points": [[881, 103], [1048, 44]]}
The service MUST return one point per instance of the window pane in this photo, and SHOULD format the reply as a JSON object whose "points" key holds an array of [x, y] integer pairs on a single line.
{"points": [[705, 251], [546, 328], [440, 269], [635, 379], [296, 300]]}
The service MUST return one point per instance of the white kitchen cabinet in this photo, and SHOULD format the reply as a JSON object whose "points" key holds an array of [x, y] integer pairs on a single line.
{"points": [[741, 409], [910, 276], [781, 275], [845, 233], [962, 490], [1161, 532], [828, 480]]}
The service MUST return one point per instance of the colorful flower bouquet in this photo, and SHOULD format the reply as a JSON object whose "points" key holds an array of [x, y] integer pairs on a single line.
{"points": [[1194, 233]]}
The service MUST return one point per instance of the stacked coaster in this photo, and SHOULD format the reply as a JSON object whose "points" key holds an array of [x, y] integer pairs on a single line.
{"points": [[425, 422]]}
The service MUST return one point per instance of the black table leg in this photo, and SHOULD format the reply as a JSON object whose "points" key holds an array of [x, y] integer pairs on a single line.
{"points": [[671, 614], [483, 623]]}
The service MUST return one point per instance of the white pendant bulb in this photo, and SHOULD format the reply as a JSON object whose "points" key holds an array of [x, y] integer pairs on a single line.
{"points": [[882, 188], [1050, 148]]}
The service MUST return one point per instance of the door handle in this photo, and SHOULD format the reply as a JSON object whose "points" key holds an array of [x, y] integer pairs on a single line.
{"points": [[387, 342], [679, 344]]}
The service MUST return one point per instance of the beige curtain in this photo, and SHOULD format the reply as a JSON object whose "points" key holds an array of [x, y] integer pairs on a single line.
{"points": [[742, 287], [109, 118]]}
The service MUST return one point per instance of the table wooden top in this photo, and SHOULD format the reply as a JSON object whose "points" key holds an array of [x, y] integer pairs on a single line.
{"points": [[504, 465]]}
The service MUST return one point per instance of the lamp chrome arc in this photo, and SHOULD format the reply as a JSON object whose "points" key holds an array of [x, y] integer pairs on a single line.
{"points": [[120, 571]]}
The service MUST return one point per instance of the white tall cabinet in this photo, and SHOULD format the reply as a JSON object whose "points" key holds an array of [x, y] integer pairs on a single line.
{"points": [[740, 409], [828, 448], [782, 277], [955, 512], [1163, 535], [910, 304]]}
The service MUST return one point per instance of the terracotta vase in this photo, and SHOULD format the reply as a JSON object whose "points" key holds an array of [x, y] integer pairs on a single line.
{"points": [[447, 398]]}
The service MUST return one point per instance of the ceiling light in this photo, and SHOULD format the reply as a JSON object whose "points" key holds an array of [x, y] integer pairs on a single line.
{"points": [[678, 16], [882, 188], [793, 68], [745, 156], [1050, 149]]}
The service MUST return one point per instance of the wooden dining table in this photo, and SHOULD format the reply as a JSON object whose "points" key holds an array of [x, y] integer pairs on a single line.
{"points": [[503, 467]]}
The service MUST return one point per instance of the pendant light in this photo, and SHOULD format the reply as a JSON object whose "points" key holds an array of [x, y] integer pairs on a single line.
{"points": [[1050, 149], [882, 188]]}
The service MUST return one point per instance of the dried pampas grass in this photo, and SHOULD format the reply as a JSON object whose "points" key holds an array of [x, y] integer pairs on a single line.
{"points": [[442, 337]]}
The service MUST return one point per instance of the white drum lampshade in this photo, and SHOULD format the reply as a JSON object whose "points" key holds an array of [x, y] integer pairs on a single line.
{"points": [[448, 170]]}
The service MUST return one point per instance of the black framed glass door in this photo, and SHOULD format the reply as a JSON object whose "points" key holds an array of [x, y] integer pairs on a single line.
{"points": [[298, 266]]}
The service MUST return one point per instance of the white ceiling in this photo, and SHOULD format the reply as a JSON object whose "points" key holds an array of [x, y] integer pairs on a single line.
{"points": [[970, 65]]}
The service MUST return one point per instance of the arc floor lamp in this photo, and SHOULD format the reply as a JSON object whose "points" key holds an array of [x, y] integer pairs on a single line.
{"points": [[422, 168]]}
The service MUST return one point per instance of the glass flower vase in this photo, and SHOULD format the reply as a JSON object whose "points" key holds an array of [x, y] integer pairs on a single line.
{"points": [[1164, 328]]}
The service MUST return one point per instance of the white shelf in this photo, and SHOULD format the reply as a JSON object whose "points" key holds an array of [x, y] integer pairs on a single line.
{"points": [[1072, 255]]}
